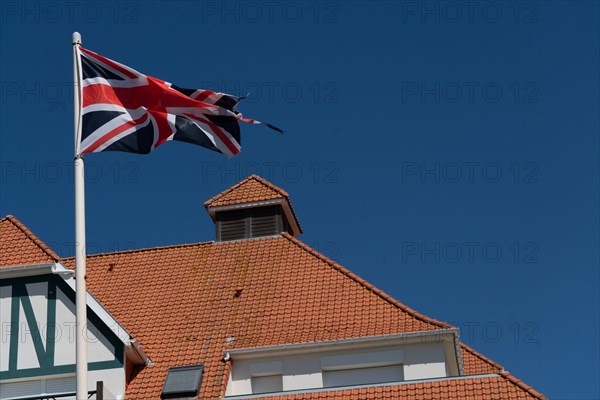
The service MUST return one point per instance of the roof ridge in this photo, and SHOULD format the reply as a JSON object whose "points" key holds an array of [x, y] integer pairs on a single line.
{"points": [[522, 385], [482, 357], [257, 178], [31, 236], [170, 246], [366, 284]]}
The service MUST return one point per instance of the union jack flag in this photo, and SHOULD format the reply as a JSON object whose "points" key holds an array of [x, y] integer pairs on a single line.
{"points": [[124, 110]]}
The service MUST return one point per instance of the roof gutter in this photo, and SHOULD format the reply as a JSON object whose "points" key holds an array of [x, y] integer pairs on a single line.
{"points": [[20, 271], [401, 338]]}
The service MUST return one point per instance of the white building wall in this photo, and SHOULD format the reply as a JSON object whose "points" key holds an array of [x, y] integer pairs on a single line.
{"points": [[114, 382]]}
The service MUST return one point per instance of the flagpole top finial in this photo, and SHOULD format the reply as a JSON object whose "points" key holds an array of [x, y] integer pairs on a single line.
{"points": [[76, 38]]}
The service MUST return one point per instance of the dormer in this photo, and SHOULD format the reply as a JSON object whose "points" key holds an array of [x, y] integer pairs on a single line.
{"points": [[250, 209], [344, 364]]}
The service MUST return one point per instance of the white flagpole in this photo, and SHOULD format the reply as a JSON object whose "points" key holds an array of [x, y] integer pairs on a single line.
{"points": [[80, 289]]}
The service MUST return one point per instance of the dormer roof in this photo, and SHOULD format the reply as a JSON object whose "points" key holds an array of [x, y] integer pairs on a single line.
{"points": [[253, 193]]}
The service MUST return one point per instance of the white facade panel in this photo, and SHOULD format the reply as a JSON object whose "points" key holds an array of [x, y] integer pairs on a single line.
{"points": [[114, 382], [429, 362], [5, 326], [65, 336], [99, 348], [27, 357], [37, 292]]}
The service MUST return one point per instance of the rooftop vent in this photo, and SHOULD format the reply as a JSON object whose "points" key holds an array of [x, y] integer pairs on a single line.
{"points": [[182, 382], [250, 223], [250, 209]]}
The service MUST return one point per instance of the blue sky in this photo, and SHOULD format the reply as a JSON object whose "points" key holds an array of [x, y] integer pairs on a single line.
{"points": [[447, 152]]}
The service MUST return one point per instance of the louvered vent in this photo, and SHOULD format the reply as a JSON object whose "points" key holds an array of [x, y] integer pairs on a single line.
{"points": [[250, 223], [231, 225]]}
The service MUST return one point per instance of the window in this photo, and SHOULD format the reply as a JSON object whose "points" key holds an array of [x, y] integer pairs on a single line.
{"points": [[182, 382], [362, 368], [267, 384], [267, 376], [362, 376]]}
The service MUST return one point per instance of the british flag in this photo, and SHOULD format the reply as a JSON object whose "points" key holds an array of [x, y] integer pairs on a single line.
{"points": [[124, 110]]}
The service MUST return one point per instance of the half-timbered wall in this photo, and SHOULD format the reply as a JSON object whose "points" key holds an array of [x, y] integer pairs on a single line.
{"points": [[37, 343]]}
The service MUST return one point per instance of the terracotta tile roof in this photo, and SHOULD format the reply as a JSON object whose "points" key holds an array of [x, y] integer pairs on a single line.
{"points": [[480, 388], [180, 303], [252, 189], [19, 246]]}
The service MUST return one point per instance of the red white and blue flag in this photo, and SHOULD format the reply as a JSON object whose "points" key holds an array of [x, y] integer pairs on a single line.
{"points": [[124, 110]]}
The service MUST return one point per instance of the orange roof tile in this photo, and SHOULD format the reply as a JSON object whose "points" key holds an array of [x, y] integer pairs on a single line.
{"points": [[19, 246]]}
